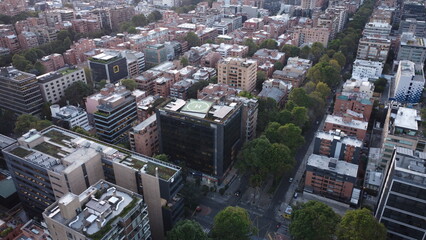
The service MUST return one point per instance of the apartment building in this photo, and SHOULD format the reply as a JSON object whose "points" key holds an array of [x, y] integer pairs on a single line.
{"points": [[330, 177], [377, 29], [19, 91], [118, 15], [348, 125], [144, 137], [308, 35], [367, 69], [102, 211], [54, 84], [46, 166], [273, 56], [238, 72], [69, 117], [337, 144], [374, 49], [115, 115], [354, 102], [409, 82], [403, 196], [52, 62]]}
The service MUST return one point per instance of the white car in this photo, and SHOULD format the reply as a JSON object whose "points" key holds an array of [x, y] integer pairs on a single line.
{"points": [[290, 180]]}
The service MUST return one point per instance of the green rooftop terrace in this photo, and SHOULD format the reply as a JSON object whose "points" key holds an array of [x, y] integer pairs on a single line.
{"points": [[165, 172], [57, 136], [21, 152], [67, 71]]}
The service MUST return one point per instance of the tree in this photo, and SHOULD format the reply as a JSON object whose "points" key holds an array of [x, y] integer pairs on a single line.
{"points": [[323, 89], [326, 72], [19, 62], [299, 116], [139, 20], [291, 136], [233, 223], [188, 230], [130, 84], [380, 84], [260, 78], [251, 45], [269, 44], [278, 66], [340, 58], [76, 93], [290, 50], [45, 111], [192, 39], [40, 68], [317, 50], [25, 122], [7, 120], [313, 221], [309, 87], [184, 61], [360, 224], [299, 97], [305, 52], [267, 111], [154, 16]]}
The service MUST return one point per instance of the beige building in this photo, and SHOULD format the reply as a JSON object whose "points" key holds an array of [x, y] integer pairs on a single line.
{"points": [[304, 35], [144, 137], [238, 72], [102, 211], [374, 49]]}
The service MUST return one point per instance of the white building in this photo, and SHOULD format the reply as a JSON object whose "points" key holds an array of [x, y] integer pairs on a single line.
{"points": [[409, 82], [363, 88], [53, 84], [367, 69], [377, 29], [70, 117]]}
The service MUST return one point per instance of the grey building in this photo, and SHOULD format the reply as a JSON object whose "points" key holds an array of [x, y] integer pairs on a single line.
{"points": [[19, 91], [412, 48], [48, 165], [402, 201], [4, 143], [412, 25]]}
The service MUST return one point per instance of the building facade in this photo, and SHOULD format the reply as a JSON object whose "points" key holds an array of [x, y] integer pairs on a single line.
{"points": [[337, 145], [409, 82], [238, 72], [108, 67], [144, 137], [69, 117]]}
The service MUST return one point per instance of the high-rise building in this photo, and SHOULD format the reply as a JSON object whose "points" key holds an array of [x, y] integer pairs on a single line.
{"points": [[54, 84], [377, 29], [412, 48], [144, 137], [103, 211], [118, 15], [47, 165], [374, 49], [108, 67], [337, 145], [155, 54], [330, 177], [403, 197], [238, 72], [115, 116], [4, 143], [409, 82], [203, 135], [402, 129], [19, 91]]}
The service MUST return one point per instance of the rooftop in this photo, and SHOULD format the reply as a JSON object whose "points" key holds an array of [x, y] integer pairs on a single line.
{"points": [[105, 58], [410, 166], [61, 150], [351, 123], [407, 118], [145, 123], [339, 136], [15, 75], [340, 167], [6, 141]]}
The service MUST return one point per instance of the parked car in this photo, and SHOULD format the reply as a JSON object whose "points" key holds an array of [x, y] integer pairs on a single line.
{"points": [[290, 180], [295, 195]]}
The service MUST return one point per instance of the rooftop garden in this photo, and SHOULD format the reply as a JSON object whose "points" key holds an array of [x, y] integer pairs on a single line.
{"points": [[164, 172], [49, 149], [67, 71], [21, 152], [101, 114], [57, 137], [108, 226], [103, 61]]}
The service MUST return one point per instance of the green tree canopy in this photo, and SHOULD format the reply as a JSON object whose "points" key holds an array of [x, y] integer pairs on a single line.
{"points": [[192, 39], [188, 230], [260, 78], [162, 157], [278, 66], [380, 84], [360, 224], [313, 221], [290, 50], [291, 136], [233, 223], [130, 84], [323, 89], [251, 45], [139, 20], [299, 97], [340, 58], [317, 50], [305, 52], [7, 119], [184, 61], [25, 122], [299, 116], [76, 93], [325, 72], [269, 44]]}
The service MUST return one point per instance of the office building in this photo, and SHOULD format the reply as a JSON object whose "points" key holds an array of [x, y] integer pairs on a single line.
{"points": [[47, 165], [108, 67], [330, 177], [348, 125], [155, 54], [374, 49], [238, 72], [409, 82], [414, 26], [144, 137], [207, 138], [403, 129], [359, 86], [54, 84], [367, 69], [19, 91], [70, 117], [403, 198], [412, 48], [337, 144], [115, 116], [102, 211], [377, 29]]}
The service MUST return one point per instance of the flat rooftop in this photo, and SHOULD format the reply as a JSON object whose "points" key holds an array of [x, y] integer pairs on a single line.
{"points": [[61, 150], [410, 166], [340, 121], [407, 118], [6, 141], [339, 136], [342, 167]]}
